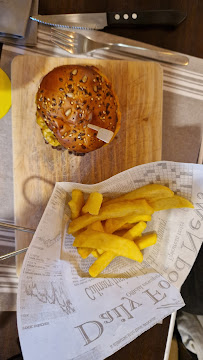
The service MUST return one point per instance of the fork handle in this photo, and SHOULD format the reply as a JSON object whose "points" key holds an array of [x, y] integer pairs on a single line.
{"points": [[14, 253], [158, 55], [149, 17]]}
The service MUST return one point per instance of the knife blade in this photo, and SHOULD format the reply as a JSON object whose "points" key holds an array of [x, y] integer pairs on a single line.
{"points": [[99, 21]]}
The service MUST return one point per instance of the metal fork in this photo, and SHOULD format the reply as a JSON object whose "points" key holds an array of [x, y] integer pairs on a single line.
{"points": [[15, 227], [76, 43]]}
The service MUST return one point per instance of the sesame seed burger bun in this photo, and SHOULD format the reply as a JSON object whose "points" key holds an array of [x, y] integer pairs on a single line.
{"points": [[68, 99]]}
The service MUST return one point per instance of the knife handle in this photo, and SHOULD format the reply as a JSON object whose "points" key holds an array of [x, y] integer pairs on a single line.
{"points": [[149, 17]]}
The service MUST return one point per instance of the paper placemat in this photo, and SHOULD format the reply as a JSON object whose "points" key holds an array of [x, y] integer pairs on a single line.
{"points": [[57, 296]]}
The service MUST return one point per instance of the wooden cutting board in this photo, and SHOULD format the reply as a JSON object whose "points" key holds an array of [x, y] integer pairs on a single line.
{"points": [[37, 166]]}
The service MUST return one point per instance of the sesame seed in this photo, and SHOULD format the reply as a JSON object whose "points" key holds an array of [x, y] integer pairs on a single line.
{"points": [[84, 79], [70, 95], [68, 112]]}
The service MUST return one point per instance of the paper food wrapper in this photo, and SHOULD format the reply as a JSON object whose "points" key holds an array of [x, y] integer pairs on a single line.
{"points": [[62, 313]]}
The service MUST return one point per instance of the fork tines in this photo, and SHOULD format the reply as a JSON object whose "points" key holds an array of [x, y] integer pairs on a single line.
{"points": [[64, 39]]}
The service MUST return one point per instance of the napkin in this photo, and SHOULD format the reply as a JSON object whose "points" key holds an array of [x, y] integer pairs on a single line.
{"points": [[13, 19], [15, 26]]}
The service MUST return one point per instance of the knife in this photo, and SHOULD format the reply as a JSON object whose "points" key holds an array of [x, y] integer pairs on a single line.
{"points": [[113, 19]]}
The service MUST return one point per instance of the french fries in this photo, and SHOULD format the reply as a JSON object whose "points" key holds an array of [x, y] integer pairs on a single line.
{"points": [[93, 204], [101, 263], [110, 228], [76, 203], [121, 209], [84, 252], [126, 227], [96, 226], [146, 192], [171, 203], [99, 227], [136, 231], [105, 259], [146, 240], [95, 253], [111, 225], [108, 242]]}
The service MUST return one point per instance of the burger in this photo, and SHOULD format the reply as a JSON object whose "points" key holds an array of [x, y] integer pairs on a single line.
{"points": [[77, 109]]}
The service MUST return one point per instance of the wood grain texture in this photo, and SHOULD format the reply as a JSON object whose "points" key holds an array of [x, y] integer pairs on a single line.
{"points": [[37, 166]]}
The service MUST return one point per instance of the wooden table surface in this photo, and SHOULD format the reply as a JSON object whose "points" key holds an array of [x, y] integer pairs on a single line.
{"points": [[186, 38]]}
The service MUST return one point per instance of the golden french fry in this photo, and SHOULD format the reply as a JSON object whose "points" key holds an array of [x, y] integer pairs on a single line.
{"points": [[95, 253], [96, 226], [108, 242], [120, 232], [145, 192], [100, 251], [105, 259], [146, 240], [171, 203], [111, 225], [135, 231], [101, 263], [84, 252], [93, 204], [76, 203], [126, 227], [121, 209]]}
